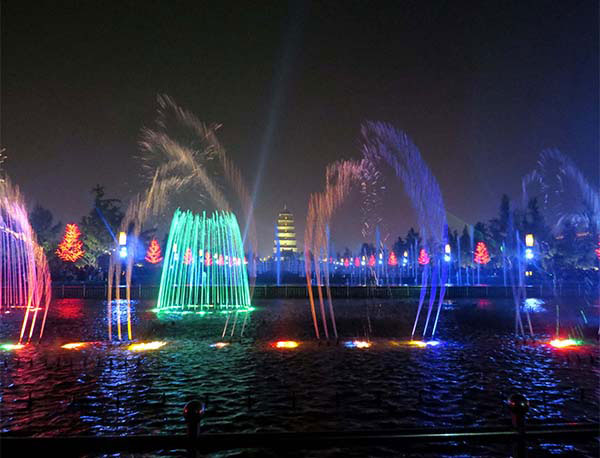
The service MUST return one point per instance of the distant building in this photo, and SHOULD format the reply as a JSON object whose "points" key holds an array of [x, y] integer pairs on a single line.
{"points": [[285, 233]]}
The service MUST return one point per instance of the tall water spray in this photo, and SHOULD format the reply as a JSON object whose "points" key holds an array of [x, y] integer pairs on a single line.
{"points": [[382, 143], [181, 152], [204, 267], [24, 274]]}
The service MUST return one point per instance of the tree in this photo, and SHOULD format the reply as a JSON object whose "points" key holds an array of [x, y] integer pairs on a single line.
{"points": [[424, 257], [482, 256], [70, 249], [153, 254], [188, 258], [100, 225], [41, 221], [393, 260]]}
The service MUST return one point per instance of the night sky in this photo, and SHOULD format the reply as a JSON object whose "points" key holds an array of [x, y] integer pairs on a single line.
{"points": [[480, 87]]}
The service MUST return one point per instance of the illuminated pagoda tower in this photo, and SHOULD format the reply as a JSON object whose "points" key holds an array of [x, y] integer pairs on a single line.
{"points": [[286, 233]]}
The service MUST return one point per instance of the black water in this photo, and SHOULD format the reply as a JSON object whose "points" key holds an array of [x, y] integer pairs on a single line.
{"points": [[248, 386]]}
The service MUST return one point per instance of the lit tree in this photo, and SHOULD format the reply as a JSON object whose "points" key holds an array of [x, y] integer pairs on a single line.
{"points": [[71, 248], [393, 260], [187, 257], [153, 254], [597, 250], [482, 256], [371, 261], [423, 257]]}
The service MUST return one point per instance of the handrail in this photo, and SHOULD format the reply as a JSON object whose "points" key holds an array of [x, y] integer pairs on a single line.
{"points": [[210, 442]]}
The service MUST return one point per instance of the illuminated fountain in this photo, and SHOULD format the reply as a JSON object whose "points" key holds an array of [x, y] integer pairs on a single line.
{"points": [[192, 159], [204, 267], [382, 143], [24, 275]]}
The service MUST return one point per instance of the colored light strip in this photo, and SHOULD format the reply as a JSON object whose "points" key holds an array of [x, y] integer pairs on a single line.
{"points": [[8, 347], [286, 344], [424, 343], [74, 345], [219, 344], [357, 344], [145, 346], [564, 343]]}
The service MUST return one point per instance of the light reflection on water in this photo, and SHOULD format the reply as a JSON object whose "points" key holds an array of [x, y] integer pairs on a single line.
{"points": [[248, 385]]}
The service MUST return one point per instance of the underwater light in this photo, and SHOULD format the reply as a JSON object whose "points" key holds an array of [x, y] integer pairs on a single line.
{"points": [[9, 347], [74, 345], [423, 344], [219, 344], [286, 344], [562, 343], [143, 346], [357, 344]]}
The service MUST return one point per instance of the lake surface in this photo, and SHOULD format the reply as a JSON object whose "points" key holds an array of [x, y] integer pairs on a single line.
{"points": [[105, 389]]}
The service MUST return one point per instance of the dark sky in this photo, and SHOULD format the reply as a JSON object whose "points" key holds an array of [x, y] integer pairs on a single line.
{"points": [[481, 87]]}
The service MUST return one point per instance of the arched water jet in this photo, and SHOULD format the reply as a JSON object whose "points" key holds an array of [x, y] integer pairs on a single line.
{"points": [[174, 165], [567, 198], [382, 142], [24, 274]]}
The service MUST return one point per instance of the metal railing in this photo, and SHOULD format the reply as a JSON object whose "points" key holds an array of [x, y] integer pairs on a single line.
{"points": [[520, 435], [95, 291]]}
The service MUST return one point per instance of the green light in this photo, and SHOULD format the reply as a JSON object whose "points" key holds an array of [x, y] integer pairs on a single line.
{"points": [[203, 269]]}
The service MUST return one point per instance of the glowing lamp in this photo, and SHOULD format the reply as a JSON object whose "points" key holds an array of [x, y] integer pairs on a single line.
{"points": [[529, 240], [357, 344], [423, 344], [447, 249], [528, 253], [123, 252], [447, 258], [563, 343], [219, 344], [286, 344], [9, 347], [122, 238], [74, 345], [144, 346]]}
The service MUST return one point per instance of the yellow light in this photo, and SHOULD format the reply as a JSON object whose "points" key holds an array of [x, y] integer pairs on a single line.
{"points": [[143, 346], [417, 343], [529, 240], [405, 254], [74, 345], [447, 248], [562, 343], [220, 344], [286, 344], [122, 238], [361, 344]]}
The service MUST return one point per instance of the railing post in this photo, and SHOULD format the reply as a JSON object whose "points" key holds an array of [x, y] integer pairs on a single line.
{"points": [[519, 405], [193, 413]]}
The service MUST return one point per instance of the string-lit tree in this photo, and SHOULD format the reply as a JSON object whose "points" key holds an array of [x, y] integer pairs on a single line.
{"points": [[481, 257], [372, 261], [71, 248], [392, 260], [188, 258], [423, 257], [153, 254]]}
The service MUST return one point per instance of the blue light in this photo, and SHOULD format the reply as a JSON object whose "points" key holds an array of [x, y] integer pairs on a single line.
{"points": [[447, 258], [528, 253], [123, 251]]}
